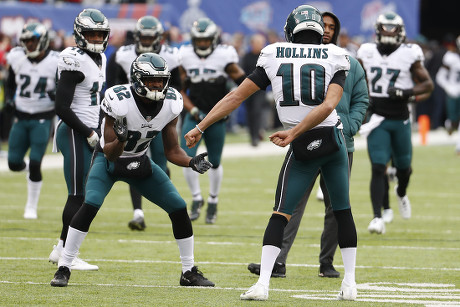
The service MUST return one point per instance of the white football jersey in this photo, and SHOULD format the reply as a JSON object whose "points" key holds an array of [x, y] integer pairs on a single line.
{"points": [[127, 54], [209, 68], [86, 100], [300, 75], [393, 70], [448, 76], [33, 81], [141, 130]]}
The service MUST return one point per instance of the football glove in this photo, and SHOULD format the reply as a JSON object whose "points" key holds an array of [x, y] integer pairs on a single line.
{"points": [[197, 114], [400, 94], [120, 126], [199, 164], [93, 139], [9, 106]]}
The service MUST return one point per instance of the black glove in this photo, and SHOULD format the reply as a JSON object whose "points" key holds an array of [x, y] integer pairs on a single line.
{"points": [[120, 126], [9, 106], [400, 94], [199, 164]]}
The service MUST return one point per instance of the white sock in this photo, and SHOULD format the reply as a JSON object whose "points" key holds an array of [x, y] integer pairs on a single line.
{"points": [[267, 261], [193, 182], [215, 180], [72, 245], [33, 193], [138, 213], [186, 253], [349, 264]]}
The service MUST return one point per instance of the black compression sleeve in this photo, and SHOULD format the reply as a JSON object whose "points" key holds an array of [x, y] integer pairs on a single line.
{"points": [[176, 81], [10, 85], [339, 78], [115, 74], [260, 78], [64, 96]]}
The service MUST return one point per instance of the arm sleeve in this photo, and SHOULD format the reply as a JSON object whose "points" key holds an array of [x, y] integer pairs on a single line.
{"points": [[260, 78], [176, 81], [64, 96], [339, 78], [10, 85]]}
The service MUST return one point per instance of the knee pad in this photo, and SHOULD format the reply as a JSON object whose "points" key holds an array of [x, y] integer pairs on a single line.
{"points": [[34, 170], [347, 236], [83, 218], [181, 224], [378, 169], [403, 173], [16, 167], [275, 230]]}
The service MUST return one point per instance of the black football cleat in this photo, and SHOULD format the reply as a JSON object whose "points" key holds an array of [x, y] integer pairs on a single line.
{"points": [[196, 209], [61, 277], [194, 278], [279, 269]]}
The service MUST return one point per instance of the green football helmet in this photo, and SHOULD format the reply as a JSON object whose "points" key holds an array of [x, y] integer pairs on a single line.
{"points": [[148, 26], [34, 30], [201, 29], [91, 20], [150, 65], [302, 18], [390, 29]]}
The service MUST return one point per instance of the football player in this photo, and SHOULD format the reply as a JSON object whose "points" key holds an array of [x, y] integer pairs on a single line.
{"points": [[30, 91], [148, 36], [395, 74], [81, 73], [312, 128], [208, 65], [351, 109], [448, 79], [133, 116]]}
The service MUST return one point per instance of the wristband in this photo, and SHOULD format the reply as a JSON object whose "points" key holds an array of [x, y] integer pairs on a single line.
{"points": [[196, 126]]}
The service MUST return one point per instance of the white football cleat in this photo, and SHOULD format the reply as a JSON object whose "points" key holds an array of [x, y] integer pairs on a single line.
{"points": [[257, 292], [387, 215], [30, 214], [404, 205], [377, 225], [347, 293], [78, 264]]}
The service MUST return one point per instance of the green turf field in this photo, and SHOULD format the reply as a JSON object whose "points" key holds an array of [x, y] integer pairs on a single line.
{"points": [[416, 262]]}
